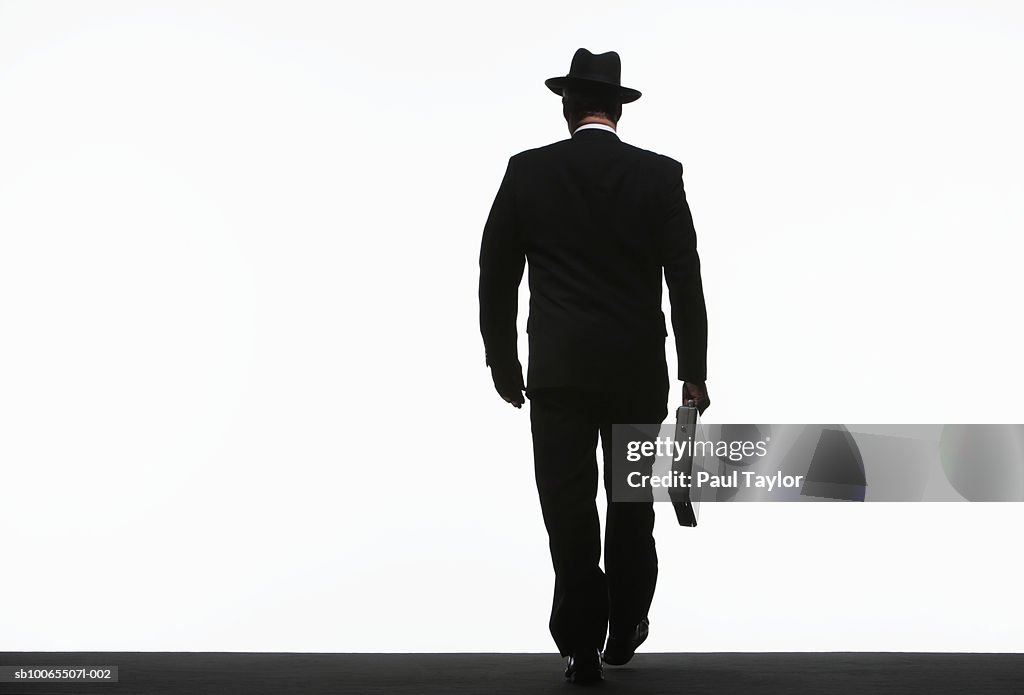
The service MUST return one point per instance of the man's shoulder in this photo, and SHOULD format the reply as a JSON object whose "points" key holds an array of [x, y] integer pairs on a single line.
{"points": [[656, 159], [535, 153]]}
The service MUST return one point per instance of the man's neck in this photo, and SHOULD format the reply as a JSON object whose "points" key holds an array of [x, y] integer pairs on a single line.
{"points": [[588, 120], [594, 122]]}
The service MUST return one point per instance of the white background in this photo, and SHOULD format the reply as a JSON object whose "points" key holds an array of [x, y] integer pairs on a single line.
{"points": [[243, 403]]}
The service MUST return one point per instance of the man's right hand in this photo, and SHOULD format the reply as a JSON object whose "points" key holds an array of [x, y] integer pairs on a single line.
{"points": [[508, 382], [696, 395]]}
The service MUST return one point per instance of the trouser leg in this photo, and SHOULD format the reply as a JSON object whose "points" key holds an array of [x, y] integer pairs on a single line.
{"points": [[565, 463], [630, 556]]}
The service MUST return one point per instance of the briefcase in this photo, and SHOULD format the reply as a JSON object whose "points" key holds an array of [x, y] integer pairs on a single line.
{"points": [[685, 494]]}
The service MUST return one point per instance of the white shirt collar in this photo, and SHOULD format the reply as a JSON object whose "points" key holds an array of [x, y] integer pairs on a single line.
{"points": [[599, 126]]}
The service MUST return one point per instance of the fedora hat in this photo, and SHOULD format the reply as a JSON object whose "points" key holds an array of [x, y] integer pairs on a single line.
{"points": [[594, 74]]}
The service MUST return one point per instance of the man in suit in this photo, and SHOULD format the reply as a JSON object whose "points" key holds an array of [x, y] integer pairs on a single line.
{"points": [[599, 221]]}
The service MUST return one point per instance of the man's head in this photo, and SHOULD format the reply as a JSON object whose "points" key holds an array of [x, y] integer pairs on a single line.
{"points": [[589, 106], [592, 91]]}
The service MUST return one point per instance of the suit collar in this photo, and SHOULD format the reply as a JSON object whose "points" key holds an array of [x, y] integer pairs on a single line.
{"points": [[594, 135]]}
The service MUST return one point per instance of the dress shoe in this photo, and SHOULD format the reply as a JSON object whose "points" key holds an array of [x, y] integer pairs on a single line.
{"points": [[620, 649], [585, 667]]}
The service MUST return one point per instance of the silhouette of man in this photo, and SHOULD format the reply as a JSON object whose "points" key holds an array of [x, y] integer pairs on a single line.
{"points": [[599, 221]]}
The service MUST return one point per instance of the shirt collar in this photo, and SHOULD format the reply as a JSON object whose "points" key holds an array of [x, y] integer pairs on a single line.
{"points": [[597, 126]]}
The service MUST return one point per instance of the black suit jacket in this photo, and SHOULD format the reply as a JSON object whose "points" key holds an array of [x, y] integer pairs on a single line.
{"points": [[598, 220]]}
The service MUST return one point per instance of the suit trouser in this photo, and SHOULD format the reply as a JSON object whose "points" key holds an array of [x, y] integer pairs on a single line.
{"points": [[566, 424]]}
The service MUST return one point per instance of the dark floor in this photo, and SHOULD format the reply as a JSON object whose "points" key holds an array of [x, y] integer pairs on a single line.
{"points": [[494, 674]]}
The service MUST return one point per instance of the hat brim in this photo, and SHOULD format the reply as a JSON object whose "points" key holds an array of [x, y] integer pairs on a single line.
{"points": [[625, 95]]}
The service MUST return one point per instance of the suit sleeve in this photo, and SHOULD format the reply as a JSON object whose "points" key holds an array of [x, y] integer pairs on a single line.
{"points": [[682, 275], [502, 259]]}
